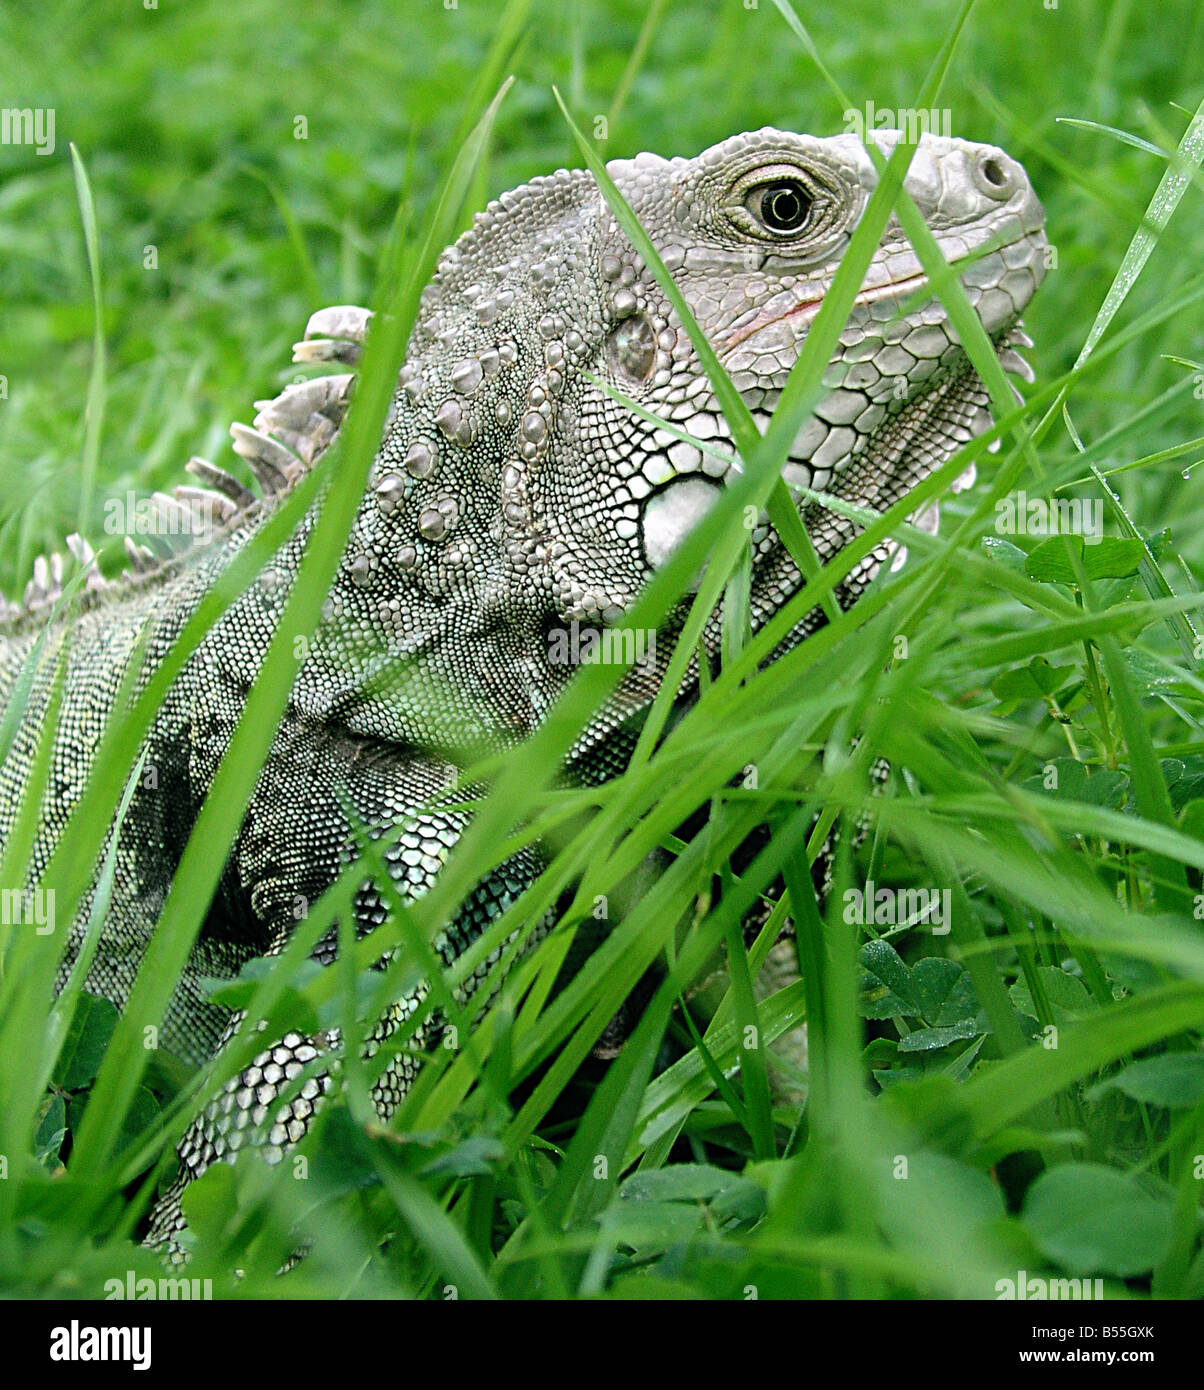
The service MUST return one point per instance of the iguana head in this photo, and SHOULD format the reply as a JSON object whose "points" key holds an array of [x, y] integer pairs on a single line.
{"points": [[546, 291], [514, 486], [753, 231]]}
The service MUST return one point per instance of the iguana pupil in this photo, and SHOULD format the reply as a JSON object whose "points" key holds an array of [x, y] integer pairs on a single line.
{"points": [[784, 206]]}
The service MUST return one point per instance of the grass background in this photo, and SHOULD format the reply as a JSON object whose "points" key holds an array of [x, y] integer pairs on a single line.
{"points": [[185, 118], [183, 111]]}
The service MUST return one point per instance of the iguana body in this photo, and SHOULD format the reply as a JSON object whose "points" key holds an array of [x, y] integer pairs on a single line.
{"points": [[510, 494]]}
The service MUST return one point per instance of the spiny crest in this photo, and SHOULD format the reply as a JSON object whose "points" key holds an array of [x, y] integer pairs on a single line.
{"points": [[289, 434]]}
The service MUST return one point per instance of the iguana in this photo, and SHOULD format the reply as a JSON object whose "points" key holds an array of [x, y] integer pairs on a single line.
{"points": [[511, 493]]}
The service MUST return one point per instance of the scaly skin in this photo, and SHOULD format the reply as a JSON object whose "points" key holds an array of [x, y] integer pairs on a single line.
{"points": [[510, 494]]}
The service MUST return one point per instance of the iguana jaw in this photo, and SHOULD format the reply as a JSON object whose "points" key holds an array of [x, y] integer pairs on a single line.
{"points": [[802, 314], [899, 396], [902, 396], [947, 411]]}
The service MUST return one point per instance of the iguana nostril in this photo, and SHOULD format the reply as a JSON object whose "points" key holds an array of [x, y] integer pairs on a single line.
{"points": [[994, 176]]}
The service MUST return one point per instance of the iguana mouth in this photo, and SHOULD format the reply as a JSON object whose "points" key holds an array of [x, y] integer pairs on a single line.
{"points": [[882, 465], [806, 309]]}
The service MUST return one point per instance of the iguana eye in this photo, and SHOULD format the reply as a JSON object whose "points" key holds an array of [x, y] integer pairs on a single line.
{"points": [[782, 206]]}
